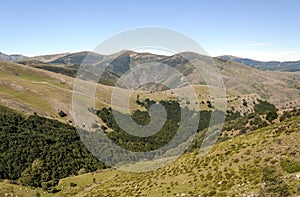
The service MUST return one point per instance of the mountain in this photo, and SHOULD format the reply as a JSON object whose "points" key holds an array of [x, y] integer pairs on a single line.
{"points": [[79, 58], [4, 57], [288, 66], [280, 88], [250, 158]]}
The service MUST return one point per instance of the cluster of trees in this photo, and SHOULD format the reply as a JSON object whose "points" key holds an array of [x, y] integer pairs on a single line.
{"points": [[142, 144], [69, 71], [35, 149], [264, 114], [263, 107], [167, 132], [106, 78]]}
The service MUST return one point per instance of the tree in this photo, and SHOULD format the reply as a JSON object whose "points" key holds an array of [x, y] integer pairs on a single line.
{"points": [[272, 115]]}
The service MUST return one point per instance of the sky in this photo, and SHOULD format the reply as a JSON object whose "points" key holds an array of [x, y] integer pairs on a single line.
{"points": [[258, 29]]}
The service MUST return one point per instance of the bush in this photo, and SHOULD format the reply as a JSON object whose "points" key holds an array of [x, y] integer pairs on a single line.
{"points": [[73, 184], [245, 103], [47, 186], [62, 114], [272, 115], [290, 166], [285, 116]]}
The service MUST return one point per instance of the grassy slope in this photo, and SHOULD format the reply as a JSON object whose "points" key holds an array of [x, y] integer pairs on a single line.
{"points": [[29, 89], [239, 162], [278, 87], [231, 167]]}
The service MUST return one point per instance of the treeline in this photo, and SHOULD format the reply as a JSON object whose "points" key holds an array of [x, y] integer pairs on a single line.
{"points": [[143, 144], [165, 134], [35, 149]]}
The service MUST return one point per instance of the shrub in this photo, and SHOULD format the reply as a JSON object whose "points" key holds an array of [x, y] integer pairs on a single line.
{"points": [[285, 116], [62, 114], [272, 115], [73, 184], [290, 166], [48, 186]]}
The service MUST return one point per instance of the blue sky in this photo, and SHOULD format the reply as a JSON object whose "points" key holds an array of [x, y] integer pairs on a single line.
{"points": [[259, 29]]}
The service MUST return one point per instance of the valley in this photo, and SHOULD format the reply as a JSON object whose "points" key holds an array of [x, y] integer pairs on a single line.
{"points": [[255, 154]]}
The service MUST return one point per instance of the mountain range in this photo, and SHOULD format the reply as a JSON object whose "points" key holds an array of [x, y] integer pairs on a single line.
{"points": [[288, 66], [281, 88], [256, 153], [77, 58], [32, 74], [4, 57]]}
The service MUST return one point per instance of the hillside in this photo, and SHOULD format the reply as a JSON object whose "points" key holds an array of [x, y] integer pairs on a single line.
{"points": [[238, 166], [280, 88], [242, 162], [263, 162], [35, 149], [29, 90]]}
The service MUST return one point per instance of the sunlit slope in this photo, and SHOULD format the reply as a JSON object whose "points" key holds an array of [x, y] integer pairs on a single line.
{"points": [[29, 89], [242, 165]]}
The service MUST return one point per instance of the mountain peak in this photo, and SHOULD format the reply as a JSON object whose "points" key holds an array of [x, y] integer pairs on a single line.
{"points": [[14, 57]]}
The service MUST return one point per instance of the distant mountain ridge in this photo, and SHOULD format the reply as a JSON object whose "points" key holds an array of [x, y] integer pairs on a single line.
{"points": [[288, 66], [92, 58], [5, 57]]}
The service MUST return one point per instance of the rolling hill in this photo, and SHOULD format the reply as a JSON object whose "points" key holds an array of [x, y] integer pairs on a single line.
{"points": [[280, 88], [250, 157]]}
